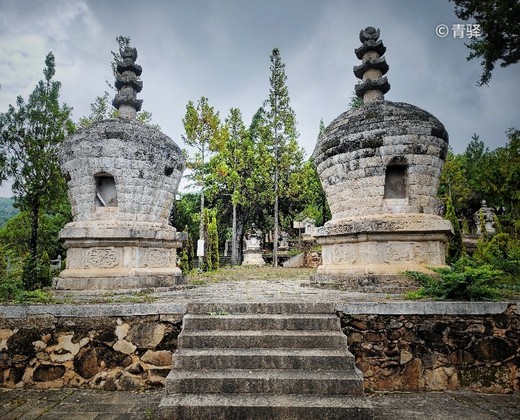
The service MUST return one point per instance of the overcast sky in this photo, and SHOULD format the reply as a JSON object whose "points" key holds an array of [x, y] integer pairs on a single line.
{"points": [[220, 49]]}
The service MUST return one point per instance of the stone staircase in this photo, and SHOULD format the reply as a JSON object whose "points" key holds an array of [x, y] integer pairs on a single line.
{"points": [[263, 361]]}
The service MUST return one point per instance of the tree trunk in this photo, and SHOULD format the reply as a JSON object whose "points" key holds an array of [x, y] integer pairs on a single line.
{"points": [[276, 175], [33, 242], [234, 253], [241, 222], [201, 227], [275, 237]]}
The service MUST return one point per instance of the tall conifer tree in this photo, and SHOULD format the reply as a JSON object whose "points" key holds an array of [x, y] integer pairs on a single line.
{"points": [[282, 136], [30, 135]]}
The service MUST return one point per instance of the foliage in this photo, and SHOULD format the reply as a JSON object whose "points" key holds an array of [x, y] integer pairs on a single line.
{"points": [[454, 185], [455, 246], [12, 288], [355, 101], [462, 281], [480, 174], [499, 40], [101, 109], [211, 254], [503, 184], [186, 260], [15, 234], [307, 192], [280, 137], [37, 273], [502, 252], [7, 210], [30, 135], [205, 134], [231, 171]]}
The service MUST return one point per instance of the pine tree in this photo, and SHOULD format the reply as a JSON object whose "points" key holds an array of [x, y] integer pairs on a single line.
{"points": [[30, 135], [282, 134]]}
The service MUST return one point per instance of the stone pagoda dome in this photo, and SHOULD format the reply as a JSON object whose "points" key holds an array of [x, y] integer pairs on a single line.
{"points": [[122, 177], [380, 165]]}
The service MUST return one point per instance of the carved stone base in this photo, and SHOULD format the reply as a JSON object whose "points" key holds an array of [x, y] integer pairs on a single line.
{"points": [[253, 258], [119, 256], [366, 254]]}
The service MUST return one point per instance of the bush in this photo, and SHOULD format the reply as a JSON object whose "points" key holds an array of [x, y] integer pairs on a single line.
{"points": [[37, 273], [503, 253], [11, 290], [462, 281]]}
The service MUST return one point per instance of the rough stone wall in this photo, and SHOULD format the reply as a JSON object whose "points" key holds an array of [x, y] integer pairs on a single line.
{"points": [[146, 165], [130, 346], [112, 353], [353, 154], [436, 352]]}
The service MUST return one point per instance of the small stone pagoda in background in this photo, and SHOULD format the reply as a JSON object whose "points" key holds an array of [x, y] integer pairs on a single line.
{"points": [[380, 166], [122, 177]]}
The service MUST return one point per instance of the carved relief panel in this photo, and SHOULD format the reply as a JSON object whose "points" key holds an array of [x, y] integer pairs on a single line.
{"points": [[106, 257]]}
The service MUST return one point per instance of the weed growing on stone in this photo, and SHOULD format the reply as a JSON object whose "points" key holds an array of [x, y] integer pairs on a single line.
{"points": [[219, 313]]}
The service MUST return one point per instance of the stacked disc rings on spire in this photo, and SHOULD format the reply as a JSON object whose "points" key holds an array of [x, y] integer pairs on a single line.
{"points": [[128, 84], [373, 67]]}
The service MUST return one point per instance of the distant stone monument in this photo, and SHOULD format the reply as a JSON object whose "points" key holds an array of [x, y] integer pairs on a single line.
{"points": [[283, 243], [488, 219], [253, 252], [122, 177], [379, 165]]}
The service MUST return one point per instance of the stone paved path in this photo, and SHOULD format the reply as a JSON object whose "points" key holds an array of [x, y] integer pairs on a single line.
{"points": [[267, 291], [64, 404]]}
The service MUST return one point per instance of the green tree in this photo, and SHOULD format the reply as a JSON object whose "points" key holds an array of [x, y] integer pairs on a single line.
{"points": [[455, 246], [477, 167], [500, 32], [31, 133], [504, 189], [231, 172], [355, 101], [213, 253], [454, 185], [204, 133], [282, 134]]}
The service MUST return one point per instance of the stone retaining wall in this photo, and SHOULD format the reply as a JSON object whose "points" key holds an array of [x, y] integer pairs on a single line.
{"points": [[398, 345], [100, 346], [436, 350]]}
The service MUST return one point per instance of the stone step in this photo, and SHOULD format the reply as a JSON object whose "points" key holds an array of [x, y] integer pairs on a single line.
{"points": [[263, 406], [224, 308], [271, 322], [265, 381], [314, 359], [262, 339]]}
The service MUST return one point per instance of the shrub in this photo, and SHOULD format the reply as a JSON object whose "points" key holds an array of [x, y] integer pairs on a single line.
{"points": [[462, 281]]}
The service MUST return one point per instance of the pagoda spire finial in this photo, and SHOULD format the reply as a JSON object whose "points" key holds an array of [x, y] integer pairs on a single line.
{"points": [[128, 84], [374, 84]]}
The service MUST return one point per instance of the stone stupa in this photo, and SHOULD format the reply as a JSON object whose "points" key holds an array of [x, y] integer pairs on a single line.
{"points": [[122, 177], [380, 166]]}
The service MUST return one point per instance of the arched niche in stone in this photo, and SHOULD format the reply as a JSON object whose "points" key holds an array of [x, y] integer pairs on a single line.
{"points": [[396, 179], [106, 192]]}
